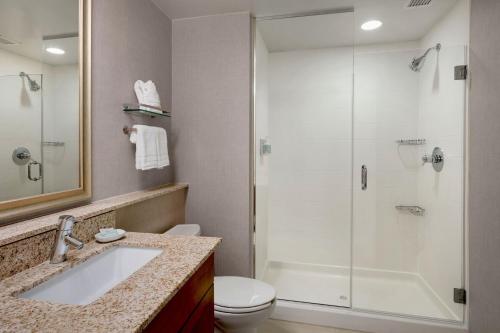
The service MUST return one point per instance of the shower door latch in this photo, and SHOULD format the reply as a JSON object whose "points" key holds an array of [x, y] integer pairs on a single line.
{"points": [[364, 178], [459, 296], [30, 173], [461, 72]]}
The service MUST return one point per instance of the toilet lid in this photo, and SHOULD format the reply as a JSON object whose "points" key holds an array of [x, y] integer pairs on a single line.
{"points": [[185, 230], [240, 292], [219, 308]]}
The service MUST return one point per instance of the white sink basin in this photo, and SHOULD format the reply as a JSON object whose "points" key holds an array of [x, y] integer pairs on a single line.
{"points": [[88, 281]]}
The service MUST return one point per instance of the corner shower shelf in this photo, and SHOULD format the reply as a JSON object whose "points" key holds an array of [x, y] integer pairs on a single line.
{"points": [[136, 110], [411, 142], [415, 210]]}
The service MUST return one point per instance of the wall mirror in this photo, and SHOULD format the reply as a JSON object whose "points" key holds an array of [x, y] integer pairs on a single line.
{"points": [[44, 106]]}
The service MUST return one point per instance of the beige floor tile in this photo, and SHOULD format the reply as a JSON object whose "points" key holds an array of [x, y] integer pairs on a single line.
{"points": [[277, 326]]}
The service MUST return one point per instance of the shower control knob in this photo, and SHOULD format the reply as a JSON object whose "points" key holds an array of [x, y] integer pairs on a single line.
{"points": [[436, 159], [21, 156]]}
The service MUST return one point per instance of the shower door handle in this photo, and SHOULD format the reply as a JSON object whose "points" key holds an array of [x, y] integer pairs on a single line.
{"points": [[364, 178], [30, 176]]}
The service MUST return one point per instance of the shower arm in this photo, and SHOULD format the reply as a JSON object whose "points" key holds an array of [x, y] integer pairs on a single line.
{"points": [[437, 47]]}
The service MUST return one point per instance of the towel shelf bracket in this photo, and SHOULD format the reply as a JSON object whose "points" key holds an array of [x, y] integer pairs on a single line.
{"points": [[128, 130]]}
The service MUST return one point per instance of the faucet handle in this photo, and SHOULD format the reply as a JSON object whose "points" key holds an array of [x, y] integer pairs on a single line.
{"points": [[73, 241]]}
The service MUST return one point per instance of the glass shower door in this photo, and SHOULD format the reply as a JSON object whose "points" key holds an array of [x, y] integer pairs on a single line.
{"points": [[408, 219], [303, 157], [20, 127]]}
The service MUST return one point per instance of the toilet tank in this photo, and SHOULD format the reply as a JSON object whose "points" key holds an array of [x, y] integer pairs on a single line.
{"points": [[184, 230]]}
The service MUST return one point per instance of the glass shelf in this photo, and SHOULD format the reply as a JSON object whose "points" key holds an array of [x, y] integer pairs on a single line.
{"points": [[137, 111]]}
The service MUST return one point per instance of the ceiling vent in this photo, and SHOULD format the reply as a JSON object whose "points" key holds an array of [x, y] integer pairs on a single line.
{"points": [[418, 3]]}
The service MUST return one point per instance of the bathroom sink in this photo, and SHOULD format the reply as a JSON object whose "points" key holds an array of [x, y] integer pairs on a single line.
{"points": [[88, 281]]}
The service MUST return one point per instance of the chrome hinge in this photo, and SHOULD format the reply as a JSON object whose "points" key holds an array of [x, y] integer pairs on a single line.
{"points": [[459, 295], [461, 72]]}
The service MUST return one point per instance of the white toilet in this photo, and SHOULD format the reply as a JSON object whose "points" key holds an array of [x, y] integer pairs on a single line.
{"points": [[241, 304], [184, 230]]}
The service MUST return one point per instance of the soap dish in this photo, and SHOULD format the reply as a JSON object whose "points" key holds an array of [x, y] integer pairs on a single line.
{"points": [[103, 238]]}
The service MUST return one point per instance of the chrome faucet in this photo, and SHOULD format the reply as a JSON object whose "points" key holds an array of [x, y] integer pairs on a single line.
{"points": [[64, 239]]}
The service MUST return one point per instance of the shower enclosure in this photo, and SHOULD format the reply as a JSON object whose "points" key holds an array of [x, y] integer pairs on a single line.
{"points": [[21, 116], [39, 133], [359, 162]]}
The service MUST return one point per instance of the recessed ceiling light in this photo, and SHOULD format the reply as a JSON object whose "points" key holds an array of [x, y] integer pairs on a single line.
{"points": [[55, 50], [371, 25]]}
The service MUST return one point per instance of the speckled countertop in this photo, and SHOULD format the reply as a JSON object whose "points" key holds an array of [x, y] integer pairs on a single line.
{"points": [[128, 307]]}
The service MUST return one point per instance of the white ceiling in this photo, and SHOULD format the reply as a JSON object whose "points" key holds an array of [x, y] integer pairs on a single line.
{"points": [[28, 21], [400, 24]]}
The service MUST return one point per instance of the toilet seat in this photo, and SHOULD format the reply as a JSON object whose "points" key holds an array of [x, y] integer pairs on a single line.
{"points": [[242, 304], [242, 295], [242, 310]]}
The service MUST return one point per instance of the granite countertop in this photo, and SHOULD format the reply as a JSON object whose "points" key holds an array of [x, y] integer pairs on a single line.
{"points": [[128, 307]]}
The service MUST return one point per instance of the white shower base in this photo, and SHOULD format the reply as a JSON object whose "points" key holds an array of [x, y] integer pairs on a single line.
{"points": [[374, 290]]}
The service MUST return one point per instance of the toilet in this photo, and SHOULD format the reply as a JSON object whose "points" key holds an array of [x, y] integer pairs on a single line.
{"points": [[184, 230], [241, 304]]}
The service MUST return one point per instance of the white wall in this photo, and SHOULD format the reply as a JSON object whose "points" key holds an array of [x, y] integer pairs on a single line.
{"points": [[385, 110], [61, 124], [310, 167], [310, 98], [20, 118], [441, 122], [261, 162]]}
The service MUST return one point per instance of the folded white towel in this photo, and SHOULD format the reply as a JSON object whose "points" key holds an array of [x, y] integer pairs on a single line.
{"points": [[147, 94], [151, 149]]}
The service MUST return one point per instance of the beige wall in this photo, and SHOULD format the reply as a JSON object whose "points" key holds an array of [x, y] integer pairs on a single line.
{"points": [[211, 63], [131, 40], [484, 162]]}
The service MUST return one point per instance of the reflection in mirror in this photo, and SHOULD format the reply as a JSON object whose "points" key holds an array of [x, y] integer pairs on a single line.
{"points": [[39, 97]]}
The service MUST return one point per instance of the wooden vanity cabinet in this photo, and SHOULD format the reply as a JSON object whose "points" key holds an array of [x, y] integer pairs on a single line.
{"points": [[192, 308]]}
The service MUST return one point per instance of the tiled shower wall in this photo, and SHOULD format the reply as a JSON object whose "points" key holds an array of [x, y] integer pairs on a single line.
{"points": [[309, 169], [310, 98], [385, 110], [310, 114], [442, 123], [261, 160], [24, 112]]}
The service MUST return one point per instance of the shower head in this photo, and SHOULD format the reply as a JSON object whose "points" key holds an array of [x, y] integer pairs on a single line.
{"points": [[34, 86], [417, 63]]}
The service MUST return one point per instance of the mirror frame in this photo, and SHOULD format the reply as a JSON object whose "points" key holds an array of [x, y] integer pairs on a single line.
{"points": [[23, 208]]}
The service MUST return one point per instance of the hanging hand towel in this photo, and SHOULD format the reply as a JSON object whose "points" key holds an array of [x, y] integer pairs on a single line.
{"points": [[151, 150]]}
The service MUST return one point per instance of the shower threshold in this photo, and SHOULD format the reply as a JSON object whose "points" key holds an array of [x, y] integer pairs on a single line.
{"points": [[400, 293]]}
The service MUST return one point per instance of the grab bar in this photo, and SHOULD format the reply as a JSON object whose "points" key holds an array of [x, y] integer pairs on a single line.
{"points": [[415, 210]]}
